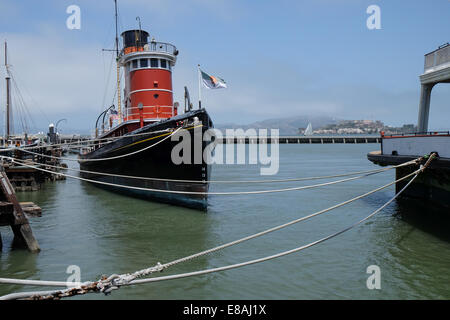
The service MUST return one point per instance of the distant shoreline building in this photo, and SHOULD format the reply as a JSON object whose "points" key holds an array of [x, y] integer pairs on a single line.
{"points": [[359, 127]]}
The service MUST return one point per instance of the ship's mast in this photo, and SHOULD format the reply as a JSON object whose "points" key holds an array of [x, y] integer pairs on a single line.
{"points": [[8, 92], [119, 104]]}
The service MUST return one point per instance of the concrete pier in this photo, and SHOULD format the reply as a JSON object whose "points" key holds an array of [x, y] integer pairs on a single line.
{"points": [[433, 184], [436, 70], [303, 139]]}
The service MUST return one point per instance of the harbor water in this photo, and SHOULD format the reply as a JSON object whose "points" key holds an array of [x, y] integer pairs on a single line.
{"points": [[106, 233]]}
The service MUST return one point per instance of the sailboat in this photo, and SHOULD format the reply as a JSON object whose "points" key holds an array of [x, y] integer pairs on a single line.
{"points": [[308, 130], [134, 155]]}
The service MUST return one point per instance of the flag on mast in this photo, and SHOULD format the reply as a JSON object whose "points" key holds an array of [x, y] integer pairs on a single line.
{"points": [[212, 82]]}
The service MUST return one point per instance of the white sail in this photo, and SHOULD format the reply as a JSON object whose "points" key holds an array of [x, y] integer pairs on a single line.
{"points": [[308, 130]]}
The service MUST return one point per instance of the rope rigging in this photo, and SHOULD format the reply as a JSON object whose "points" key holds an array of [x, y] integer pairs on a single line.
{"points": [[114, 282], [97, 159], [115, 157], [80, 144], [18, 80], [21, 108], [108, 77]]}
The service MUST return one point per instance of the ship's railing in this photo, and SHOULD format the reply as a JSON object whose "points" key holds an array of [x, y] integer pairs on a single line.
{"points": [[152, 46], [419, 134], [437, 57]]}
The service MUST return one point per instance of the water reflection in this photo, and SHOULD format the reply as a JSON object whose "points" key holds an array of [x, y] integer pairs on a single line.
{"points": [[17, 262], [406, 241], [425, 216], [104, 233]]}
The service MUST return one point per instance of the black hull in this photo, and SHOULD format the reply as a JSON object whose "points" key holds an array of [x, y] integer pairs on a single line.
{"points": [[155, 162], [431, 185]]}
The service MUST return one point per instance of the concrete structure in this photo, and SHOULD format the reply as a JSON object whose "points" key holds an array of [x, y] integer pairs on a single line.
{"points": [[436, 70], [302, 139], [417, 144], [433, 184]]}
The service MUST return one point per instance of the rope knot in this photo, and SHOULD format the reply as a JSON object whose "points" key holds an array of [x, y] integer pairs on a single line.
{"points": [[159, 267], [429, 158]]}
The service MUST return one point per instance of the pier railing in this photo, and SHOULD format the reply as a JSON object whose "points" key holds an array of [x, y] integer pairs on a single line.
{"points": [[437, 57], [419, 134]]}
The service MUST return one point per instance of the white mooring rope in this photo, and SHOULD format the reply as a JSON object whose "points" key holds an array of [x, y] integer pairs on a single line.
{"points": [[218, 181], [194, 192], [115, 281], [229, 244], [106, 285]]}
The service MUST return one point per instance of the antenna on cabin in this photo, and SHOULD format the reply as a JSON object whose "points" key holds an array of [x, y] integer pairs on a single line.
{"points": [[140, 27]]}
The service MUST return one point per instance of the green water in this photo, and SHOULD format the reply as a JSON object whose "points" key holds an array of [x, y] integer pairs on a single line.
{"points": [[106, 233]]}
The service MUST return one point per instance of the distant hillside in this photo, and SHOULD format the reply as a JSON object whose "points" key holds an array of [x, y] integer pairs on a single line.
{"points": [[287, 126]]}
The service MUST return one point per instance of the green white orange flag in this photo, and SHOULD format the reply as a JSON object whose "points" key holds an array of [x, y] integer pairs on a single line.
{"points": [[212, 82]]}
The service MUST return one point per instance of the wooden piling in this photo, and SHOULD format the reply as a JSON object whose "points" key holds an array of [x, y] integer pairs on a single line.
{"points": [[11, 213]]}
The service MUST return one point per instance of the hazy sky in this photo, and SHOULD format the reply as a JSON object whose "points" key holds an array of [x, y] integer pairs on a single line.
{"points": [[279, 58]]}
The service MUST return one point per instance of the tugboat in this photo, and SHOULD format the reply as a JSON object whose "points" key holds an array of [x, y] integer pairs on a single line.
{"points": [[138, 142]]}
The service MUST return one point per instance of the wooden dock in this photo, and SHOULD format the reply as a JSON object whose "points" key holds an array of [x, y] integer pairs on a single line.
{"points": [[31, 209], [25, 178]]}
